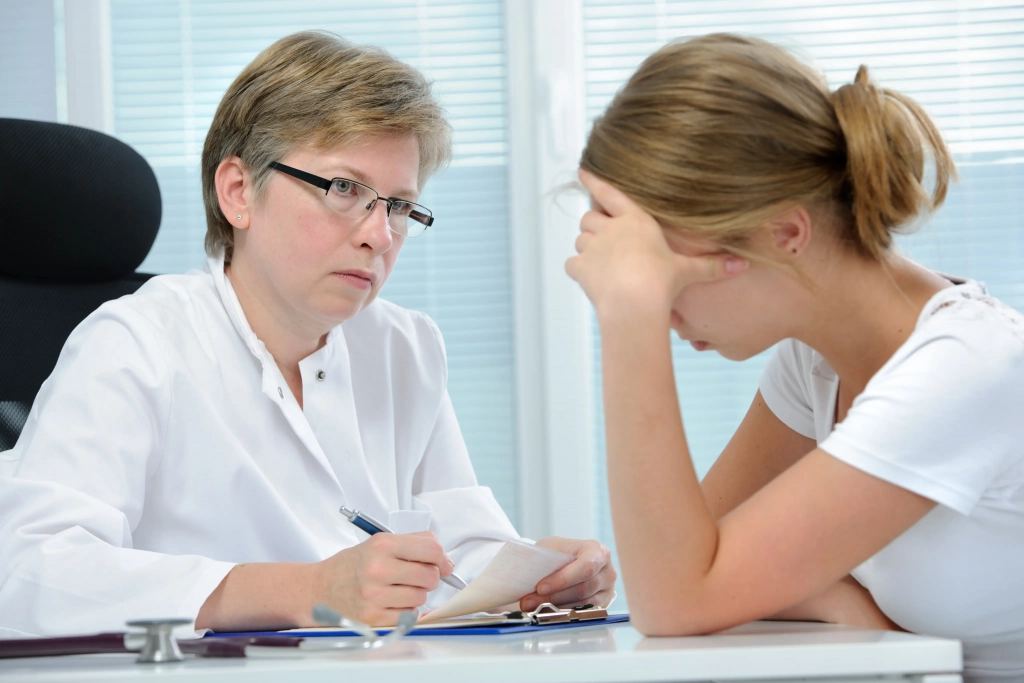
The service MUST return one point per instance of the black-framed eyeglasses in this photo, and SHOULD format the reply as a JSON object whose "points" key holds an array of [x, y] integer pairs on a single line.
{"points": [[354, 199]]}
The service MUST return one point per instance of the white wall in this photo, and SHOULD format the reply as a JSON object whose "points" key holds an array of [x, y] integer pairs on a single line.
{"points": [[28, 81]]}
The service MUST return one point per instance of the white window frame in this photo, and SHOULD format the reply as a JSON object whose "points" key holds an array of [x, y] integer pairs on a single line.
{"points": [[554, 353], [89, 95]]}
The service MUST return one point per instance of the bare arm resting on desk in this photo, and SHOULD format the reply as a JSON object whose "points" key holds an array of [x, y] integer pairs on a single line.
{"points": [[687, 571], [760, 450]]}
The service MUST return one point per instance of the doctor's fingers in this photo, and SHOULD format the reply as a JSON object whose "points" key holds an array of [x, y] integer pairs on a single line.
{"points": [[593, 565], [394, 597], [393, 571], [383, 616], [594, 592], [421, 547]]}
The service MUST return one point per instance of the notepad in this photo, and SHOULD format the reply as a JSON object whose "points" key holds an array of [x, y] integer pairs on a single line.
{"points": [[513, 573]]}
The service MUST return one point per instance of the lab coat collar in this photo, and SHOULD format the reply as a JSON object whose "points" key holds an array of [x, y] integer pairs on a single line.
{"points": [[215, 266], [272, 378]]}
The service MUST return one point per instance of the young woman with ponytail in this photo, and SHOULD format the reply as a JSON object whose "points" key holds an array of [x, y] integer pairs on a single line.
{"points": [[878, 477]]}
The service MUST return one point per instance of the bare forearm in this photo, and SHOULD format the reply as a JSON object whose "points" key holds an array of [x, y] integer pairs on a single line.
{"points": [[665, 533], [271, 595], [844, 602]]}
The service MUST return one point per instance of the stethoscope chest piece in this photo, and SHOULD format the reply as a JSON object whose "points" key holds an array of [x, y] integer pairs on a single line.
{"points": [[159, 646]]}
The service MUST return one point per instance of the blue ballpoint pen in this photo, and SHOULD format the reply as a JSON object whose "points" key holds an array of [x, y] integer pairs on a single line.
{"points": [[372, 526]]}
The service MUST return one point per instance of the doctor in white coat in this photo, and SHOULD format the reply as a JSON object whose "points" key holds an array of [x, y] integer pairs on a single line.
{"points": [[189, 453]]}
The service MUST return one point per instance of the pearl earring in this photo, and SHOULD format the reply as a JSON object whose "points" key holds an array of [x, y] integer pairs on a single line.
{"points": [[238, 217]]}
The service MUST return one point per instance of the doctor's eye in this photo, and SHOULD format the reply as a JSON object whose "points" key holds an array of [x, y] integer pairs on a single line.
{"points": [[343, 187], [401, 208]]}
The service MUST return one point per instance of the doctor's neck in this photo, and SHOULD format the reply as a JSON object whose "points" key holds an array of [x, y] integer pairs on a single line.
{"points": [[288, 335]]}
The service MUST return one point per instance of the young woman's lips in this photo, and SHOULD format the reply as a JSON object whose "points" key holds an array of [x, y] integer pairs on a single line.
{"points": [[699, 345], [356, 279]]}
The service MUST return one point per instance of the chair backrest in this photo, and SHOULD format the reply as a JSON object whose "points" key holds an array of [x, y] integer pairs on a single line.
{"points": [[79, 211]]}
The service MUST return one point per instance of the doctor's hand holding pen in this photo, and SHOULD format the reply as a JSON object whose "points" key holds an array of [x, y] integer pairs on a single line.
{"points": [[372, 582], [385, 575]]}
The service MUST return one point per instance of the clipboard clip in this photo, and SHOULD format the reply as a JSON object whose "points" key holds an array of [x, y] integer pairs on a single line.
{"points": [[547, 613]]}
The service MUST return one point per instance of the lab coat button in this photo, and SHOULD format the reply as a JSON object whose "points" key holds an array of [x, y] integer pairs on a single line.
{"points": [[320, 374], [280, 392]]}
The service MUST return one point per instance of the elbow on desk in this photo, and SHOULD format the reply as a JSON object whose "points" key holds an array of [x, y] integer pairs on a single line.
{"points": [[669, 618], [666, 626]]}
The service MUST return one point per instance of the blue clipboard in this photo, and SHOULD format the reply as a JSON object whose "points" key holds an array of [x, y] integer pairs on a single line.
{"points": [[489, 630]]}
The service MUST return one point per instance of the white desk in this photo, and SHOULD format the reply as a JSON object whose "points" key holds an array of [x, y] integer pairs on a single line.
{"points": [[760, 651]]}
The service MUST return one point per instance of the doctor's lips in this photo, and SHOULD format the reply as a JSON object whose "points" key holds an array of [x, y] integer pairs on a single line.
{"points": [[358, 278]]}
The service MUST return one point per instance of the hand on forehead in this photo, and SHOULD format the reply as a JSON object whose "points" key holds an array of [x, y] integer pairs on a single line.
{"points": [[605, 197], [610, 200]]}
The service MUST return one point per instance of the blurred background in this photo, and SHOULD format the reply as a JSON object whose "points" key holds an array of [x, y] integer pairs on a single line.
{"points": [[522, 80]]}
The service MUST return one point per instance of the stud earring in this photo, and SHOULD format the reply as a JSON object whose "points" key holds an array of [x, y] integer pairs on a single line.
{"points": [[238, 217]]}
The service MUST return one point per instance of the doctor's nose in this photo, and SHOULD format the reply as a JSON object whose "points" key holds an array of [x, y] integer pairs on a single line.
{"points": [[373, 231]]}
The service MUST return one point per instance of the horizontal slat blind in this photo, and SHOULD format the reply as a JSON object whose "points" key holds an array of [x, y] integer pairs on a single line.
{"points": [[172, 62], [964, 62]]}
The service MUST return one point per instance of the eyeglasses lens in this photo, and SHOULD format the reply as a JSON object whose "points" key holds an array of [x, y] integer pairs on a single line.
{"points": [[355, 200]]}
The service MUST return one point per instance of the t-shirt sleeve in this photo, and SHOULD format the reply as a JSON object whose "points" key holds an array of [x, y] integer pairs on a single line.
{"points": [[943, 418], [784, 387]]}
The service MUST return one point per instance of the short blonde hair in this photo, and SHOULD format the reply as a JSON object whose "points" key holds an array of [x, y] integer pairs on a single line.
{"points": [[314, 88], [717, 134]]}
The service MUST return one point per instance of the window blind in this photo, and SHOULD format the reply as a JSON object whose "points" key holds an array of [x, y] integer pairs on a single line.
{"points": [[173, 60], [963, 63]]}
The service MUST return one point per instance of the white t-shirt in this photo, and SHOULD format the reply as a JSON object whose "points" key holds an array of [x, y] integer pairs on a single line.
{"points": [[166, 447], [944, 418]]}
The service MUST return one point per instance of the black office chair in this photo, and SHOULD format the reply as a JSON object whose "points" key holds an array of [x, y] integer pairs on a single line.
{"points": [[79, 211]]}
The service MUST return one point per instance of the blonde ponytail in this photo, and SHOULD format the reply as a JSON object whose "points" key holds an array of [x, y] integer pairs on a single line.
{"points": [[886, 135], [717, 134]]}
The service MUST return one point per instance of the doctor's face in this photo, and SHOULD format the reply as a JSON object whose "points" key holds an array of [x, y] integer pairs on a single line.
{"points": [[322, 265]]}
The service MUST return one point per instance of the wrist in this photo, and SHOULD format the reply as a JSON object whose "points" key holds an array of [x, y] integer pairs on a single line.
{"points": [[310, 579], [631, 311]]}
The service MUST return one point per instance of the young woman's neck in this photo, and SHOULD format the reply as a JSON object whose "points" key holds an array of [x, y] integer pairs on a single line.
{"points": [[863, 311]]}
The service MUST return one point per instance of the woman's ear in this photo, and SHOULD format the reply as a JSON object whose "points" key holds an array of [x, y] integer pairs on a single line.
{"points": [[788, 234], [234, 191]]}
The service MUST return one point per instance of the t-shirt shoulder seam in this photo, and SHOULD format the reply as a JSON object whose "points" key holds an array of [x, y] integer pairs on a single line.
{"points": [[909, 479]]}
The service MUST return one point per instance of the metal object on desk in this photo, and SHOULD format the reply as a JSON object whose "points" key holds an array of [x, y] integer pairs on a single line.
{"points": [[158, 645], [546, 613], [151, 643], [322, 614]]}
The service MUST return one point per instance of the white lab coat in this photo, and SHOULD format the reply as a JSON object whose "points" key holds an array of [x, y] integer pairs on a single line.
{"points": [[166, 447]]}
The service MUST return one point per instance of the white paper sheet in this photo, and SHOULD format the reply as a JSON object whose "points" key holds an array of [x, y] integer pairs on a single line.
{"points": [[513, 573]]}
